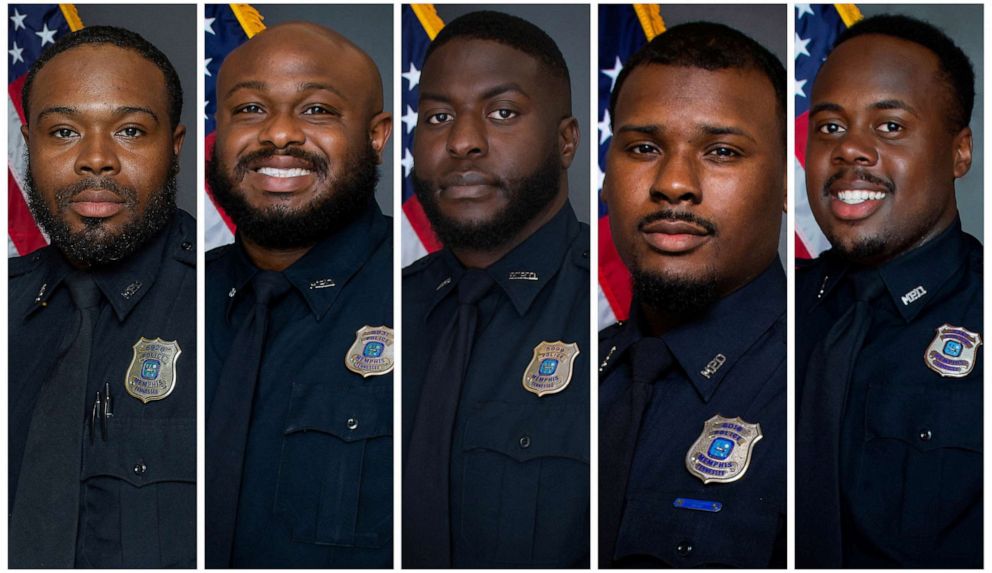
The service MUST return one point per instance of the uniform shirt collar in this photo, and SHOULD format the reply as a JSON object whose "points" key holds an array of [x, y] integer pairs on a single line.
{"points": [[124, 283], [523, 272], [912, 279], [323, 271], [707, 348]]}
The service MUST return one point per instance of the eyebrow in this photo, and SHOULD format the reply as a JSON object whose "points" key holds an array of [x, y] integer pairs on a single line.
{"points": [[884, 104], [706, 129], [489, 93], [307, 86], [73, 112], [825, 106], [247, 85]]}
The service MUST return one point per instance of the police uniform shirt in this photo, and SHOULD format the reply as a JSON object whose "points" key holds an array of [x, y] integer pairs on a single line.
{"points": [[519, 479], [138, 493], [731, 362], [317, 481], [911, 438]]}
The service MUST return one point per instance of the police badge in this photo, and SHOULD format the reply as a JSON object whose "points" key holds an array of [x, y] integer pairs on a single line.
{"points": [[152, 373], [953, 351], [550, 369], [722, 452], [372, 352]]}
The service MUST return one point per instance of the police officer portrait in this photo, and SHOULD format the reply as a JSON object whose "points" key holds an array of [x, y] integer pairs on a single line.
{"points": [[495, 385], [299, 397], [102, 319], [889, 318], [692, 386]]}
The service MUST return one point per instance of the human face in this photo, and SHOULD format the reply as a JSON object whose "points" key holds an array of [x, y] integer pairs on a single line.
{"points": [[293, 125], [494, 137], [102, 152], [881, 158], [695, 174]]}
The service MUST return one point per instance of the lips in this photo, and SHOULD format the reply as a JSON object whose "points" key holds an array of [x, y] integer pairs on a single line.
{"points": [[674, 237], [468, 186], [856, 200], [280, 174], [96, 203]]}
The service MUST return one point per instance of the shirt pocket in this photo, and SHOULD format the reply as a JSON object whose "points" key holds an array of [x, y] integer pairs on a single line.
{"points": [[922, 461], [335, 470], [525, 493], [139, 487]]}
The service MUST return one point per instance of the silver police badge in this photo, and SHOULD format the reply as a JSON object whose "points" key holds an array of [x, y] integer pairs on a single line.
{"points": [[152, 374], [722, 452], [550, 369], [372, 352], [953, 351]]}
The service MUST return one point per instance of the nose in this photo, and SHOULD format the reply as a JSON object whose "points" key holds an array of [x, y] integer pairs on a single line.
{"points": [[467, 137], [855, 148], [282, 130], [97, 156], [676, 180]]}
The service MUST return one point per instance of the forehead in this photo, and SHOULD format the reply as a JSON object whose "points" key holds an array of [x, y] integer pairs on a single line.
{"points": [[876, 67], [475, 63], [658, 93], [100, 74]]}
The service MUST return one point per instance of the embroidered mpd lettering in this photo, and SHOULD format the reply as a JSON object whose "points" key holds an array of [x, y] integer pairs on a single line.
{"points": [[913, 295], [713, 365]]}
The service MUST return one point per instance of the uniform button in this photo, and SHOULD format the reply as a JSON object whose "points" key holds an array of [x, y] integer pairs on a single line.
{"points": [[187, 246], [525, 441], [684, 548], [352, 423], [140, 468], [926, 435]]}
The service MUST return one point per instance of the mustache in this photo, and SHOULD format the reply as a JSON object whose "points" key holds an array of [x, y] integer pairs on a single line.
{"points": [[673, 215], [860, 174], [64, 195], [316, 163]]}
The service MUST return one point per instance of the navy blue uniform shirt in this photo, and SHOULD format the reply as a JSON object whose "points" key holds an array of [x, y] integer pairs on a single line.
{"points": [[514, 502], [748, 328], [317, 484], [911, 439], [138, 491]]}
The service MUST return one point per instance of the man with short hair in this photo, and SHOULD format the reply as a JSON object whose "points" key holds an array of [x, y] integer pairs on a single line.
{"points": [[299, 310], [102, 375], [496, 356], [692, 415], [889, 320]]}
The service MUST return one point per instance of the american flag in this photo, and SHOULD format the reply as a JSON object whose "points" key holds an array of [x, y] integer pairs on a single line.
{"points": [[817, 28], [32, 27], [421, 25], [623, 29], [225, 27]]}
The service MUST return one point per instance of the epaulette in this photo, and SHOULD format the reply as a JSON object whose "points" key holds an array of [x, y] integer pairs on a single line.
{"points": [[18, 266], [610, 331], [419, 265]]}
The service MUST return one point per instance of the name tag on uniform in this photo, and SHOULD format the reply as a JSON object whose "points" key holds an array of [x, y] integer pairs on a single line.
{"points": [[152, 373], [550, 369], [722, 453], [372, 352], [953, 351]]}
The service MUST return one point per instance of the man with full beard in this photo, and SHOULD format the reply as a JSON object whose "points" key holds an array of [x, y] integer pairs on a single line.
{"points": [[102, 379], [496, 356], [889, 320], [692, 416], [299, 310]]}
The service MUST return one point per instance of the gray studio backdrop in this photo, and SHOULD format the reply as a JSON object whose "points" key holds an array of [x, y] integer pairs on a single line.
{"points": [[370, 28], [172, 29], [963, 23], [568, 25], [765, 23]]}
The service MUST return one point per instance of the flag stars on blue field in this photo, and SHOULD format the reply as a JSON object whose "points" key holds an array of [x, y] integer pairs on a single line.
{"points": [[413, 76], [47, 36], [206, 66], [604, 128], [801, 47], [18, 20], [208, 25], [407, 162], [409, 119], [802, 10], [16, 54], [613, 72], [800, 84]]}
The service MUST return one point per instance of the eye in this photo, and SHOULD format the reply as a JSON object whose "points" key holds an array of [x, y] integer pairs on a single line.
{"points": [[131, 132], [64, 133], [890, 127], [249, 108], [642, 149], [831, 128], [502, 114], [317, 110], [724, 152], [438, 118]]}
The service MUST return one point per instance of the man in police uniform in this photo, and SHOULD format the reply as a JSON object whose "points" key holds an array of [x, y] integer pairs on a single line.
{"points": [[496, 358], [299, 310], [102, 379], [692, 387], [889, 320]]}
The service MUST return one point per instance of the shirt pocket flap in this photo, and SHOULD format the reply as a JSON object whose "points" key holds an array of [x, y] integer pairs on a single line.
{"points": [[346, 415], [143, 451], [927, 418], [526, 432]]}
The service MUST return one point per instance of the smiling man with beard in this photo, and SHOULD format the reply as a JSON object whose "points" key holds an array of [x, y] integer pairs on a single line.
{"points": [[496, 357], [889, 320], [299, 310], [102, 379], [692, 450]]}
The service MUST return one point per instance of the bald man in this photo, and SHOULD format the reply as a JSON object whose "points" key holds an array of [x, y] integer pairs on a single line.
{"points": [[299, 310]]}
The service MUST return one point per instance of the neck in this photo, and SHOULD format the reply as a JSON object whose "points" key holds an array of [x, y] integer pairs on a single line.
{"points": [[272, 259]]}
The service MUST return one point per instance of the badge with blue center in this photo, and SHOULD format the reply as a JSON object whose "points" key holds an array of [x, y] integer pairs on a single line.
{"points": [[550, 368], [372, 352], [953, 351], [722, 453], [152, 373]]}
